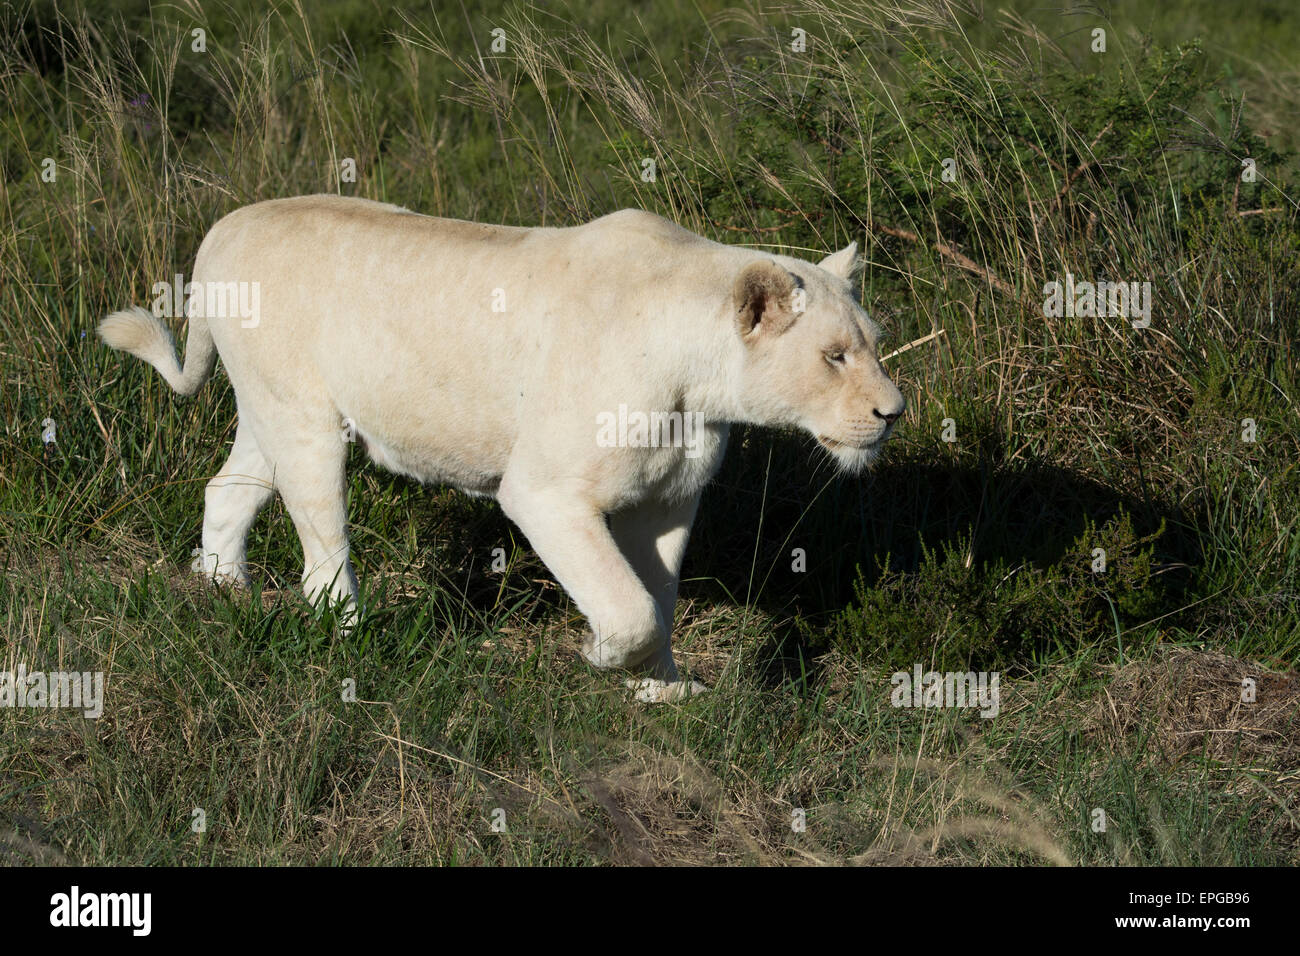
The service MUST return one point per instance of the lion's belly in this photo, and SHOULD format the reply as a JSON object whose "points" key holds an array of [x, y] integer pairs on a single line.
{"points": [[442, 409], [432, 465]]}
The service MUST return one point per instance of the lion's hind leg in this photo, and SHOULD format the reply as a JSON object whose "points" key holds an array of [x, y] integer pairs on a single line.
{"points": [[231, 504]]}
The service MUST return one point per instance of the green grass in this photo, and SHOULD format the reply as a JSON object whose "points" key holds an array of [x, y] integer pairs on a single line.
{"points": [[1121, 691]]}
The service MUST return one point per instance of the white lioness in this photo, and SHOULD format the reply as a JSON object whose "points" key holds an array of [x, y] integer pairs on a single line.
{"points": [[494, 359]]}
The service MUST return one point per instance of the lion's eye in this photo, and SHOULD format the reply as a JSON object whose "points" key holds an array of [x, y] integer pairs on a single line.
{"points": [[835, 356]]}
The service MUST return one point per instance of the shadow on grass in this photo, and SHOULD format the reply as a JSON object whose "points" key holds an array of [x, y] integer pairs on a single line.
{"points": [[825, 538]]}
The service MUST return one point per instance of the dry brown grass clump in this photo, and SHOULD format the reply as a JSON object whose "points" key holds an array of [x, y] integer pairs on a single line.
{"points": [[1191, 703]]}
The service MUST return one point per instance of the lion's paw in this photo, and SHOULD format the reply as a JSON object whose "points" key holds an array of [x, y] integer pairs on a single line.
{"points": [[651, 690]]}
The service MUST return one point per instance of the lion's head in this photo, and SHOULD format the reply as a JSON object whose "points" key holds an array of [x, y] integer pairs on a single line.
{"points": [[810, 356]]}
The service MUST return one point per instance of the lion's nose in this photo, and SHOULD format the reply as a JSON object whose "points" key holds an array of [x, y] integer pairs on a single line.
{"points": [[889, 417]]}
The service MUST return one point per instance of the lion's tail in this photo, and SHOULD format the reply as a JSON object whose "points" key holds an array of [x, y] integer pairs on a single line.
{"points": [[141, 333]]}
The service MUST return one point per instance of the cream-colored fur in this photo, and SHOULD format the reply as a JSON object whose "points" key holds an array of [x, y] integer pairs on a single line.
{"points": [[384, 319]]}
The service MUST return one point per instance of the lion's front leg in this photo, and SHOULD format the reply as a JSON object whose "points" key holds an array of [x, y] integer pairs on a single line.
{"points": [[572, 538]]}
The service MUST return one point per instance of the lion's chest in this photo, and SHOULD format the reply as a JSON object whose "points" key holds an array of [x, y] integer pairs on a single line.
{"points": [[673, 472]]}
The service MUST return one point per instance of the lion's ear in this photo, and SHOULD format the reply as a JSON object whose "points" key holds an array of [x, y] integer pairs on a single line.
{"points": [[844, 263], [762, 295]]}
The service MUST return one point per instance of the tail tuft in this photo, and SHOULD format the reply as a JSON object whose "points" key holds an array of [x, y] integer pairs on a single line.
{"points": [[143, 334]]}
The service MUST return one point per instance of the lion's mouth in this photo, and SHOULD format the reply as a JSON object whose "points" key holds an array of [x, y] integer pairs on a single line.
{"points": [[832, 444]]}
